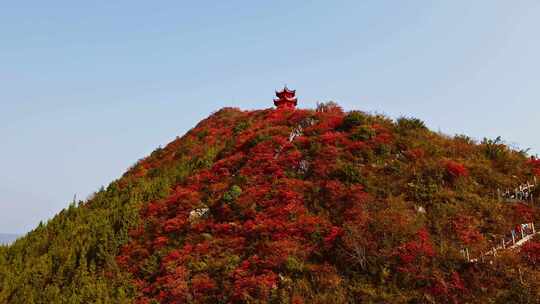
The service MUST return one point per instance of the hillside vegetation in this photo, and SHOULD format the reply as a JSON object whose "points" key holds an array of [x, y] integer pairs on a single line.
{"points": [[292, 206]]}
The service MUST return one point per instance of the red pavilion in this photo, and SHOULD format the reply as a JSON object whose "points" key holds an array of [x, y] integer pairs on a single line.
{"points": [[286, 99]]}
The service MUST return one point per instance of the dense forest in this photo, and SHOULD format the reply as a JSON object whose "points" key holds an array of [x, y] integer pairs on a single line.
{"points": [[295, 206]]}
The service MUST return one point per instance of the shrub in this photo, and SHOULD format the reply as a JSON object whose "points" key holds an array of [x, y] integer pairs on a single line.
{"points": [[293, 265], [494, 148], [534, 164], [456, 170], [329, 106], [363, 133], [415, 154], [241, 126], [410, 123], [466, 230], [523, 212], [353, 119], [349, 173], [255, 140], [232, 194], [530, 253]]}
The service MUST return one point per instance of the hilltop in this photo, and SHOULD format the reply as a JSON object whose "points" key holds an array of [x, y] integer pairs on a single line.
{"points": [[294, 206]]}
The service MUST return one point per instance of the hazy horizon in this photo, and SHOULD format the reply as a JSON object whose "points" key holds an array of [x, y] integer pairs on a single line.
{"points": [[87, 89], [7, 238]]}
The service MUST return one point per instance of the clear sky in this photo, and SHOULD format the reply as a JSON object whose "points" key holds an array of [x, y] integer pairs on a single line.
{"points": [[89, 87]]}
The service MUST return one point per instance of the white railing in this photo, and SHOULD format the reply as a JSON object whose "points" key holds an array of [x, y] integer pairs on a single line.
{"points": [[515, 239], [523, 192], [297, 131]]}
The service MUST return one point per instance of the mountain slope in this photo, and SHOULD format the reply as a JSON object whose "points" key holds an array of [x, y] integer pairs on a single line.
{"points": [[291, 206], [71, 259]]}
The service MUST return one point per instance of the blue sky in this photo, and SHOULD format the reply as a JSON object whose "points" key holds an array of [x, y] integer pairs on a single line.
{"points": [[88, 88]]}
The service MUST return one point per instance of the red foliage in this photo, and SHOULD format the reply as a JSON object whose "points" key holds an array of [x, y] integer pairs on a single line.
{"points": [[333, 138], [457, 282], [415, 154], [466, 230], [174, 224], [447, 290], [534, 163], [382, 135], [174, 286], [329, 240], [160, 242], [325, 275], [523, 213], [329, 120], [266, 217], [530, 253], [296, 299], [202, 286], [456, 170], [357, 146], [412, 251], [258, 286]]}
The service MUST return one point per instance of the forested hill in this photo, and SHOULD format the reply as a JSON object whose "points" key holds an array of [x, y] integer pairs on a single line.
{"points": [[295, 206]]}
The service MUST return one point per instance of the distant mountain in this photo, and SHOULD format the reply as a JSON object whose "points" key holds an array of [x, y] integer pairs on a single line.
{"points": [[6, 238]]}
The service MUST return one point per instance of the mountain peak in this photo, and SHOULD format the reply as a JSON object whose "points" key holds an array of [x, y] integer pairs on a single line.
{"points": [[299, 206]]}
